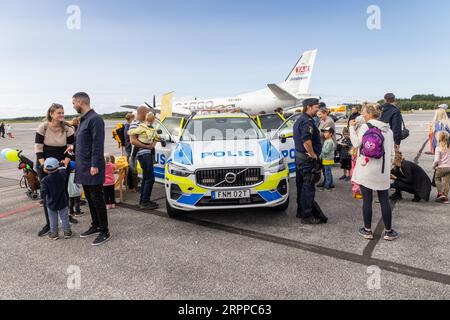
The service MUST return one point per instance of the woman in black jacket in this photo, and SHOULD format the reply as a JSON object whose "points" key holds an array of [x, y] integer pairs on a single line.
{"points": [[411, 178]]}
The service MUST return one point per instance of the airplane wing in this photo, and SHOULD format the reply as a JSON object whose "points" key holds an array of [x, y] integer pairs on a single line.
{"points": [[281, 93], [129, 107]]}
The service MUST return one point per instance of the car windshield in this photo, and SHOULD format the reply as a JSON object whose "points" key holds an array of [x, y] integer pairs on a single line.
{"points": [[226, 128], [270, 121]]}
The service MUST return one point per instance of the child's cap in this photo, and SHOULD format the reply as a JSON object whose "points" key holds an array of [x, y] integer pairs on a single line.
{"points": [[72, 165], [328, 129], [51, 164]]}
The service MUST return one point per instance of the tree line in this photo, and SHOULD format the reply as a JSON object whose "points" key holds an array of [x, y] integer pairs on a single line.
{"points": [[421, 101]]}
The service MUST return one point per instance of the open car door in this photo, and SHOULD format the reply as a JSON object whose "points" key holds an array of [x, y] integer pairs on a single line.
{"points": [[163, 151], [283, 140], [175, 126]]}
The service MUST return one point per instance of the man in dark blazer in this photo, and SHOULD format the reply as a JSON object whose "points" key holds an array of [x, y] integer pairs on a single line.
{"points": [[90, 166]]}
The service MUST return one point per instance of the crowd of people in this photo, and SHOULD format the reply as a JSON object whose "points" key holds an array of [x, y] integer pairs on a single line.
{"points": [[71, 160], [370, 156]]}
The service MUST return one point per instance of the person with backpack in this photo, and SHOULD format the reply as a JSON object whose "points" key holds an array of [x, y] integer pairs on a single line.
{"points": [[392, 116], [375, 156]]}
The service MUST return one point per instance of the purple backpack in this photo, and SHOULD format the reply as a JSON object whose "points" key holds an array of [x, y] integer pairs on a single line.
{"points": [[373, 144]]}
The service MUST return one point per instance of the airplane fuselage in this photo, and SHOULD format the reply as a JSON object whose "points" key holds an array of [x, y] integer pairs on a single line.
{"points": [[253, 103]]}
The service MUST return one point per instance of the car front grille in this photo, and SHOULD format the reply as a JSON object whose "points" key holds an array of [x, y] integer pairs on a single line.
{"points": [[209, 202], [216, 178]]}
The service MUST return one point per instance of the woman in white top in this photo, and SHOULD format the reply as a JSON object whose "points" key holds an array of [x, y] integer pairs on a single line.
{"points": [[8, 130], [370, 174]]}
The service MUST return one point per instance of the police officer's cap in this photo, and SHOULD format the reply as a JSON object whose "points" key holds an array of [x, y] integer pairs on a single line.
{"points": [[310, 102]]}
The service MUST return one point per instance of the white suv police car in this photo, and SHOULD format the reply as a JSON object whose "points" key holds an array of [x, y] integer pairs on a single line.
{"points": [[224, 161]]}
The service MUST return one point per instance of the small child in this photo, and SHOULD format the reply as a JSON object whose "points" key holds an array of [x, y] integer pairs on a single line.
{"points": [[356, 188], [145, 132], [345, 154], [327, 156], [442, 166], [109, 184], [74, 191], [53, 188]]}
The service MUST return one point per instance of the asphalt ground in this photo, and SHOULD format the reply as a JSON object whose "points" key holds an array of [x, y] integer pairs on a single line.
{"points": [[251, 254]]}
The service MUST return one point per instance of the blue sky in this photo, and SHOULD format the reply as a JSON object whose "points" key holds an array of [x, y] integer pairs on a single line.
{"points": [[126, 51]]}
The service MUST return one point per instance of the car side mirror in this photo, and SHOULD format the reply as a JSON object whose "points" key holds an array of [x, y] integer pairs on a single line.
{"points": [[285, 134]]}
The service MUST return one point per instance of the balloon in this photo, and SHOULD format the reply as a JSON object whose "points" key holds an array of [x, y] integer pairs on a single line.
{"points": [[3, 153], [12, 156]]}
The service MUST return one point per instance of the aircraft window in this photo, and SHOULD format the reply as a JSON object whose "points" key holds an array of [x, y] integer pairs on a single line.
{"points": [[221, 129]]}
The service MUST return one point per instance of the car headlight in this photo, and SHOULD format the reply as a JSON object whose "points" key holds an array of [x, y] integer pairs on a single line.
{"points": [[277, 166], [179, 171]]}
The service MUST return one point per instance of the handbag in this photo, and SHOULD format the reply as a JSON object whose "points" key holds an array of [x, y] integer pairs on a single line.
{"points": [[405, 131]]}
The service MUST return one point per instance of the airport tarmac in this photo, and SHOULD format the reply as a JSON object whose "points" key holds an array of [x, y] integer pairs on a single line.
{"points": [[252, 254]]}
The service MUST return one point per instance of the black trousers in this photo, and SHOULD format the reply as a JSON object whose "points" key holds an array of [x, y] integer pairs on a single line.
{"points": [[74, 205], [400, 186], [97, 207], [306, 192], [110, 194], [386, 210]]}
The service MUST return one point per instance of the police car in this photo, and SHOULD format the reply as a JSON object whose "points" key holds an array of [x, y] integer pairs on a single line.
{"points": [[222, 161]]}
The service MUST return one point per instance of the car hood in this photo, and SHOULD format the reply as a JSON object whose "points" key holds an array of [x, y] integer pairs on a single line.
{"points": [[228, 153]]}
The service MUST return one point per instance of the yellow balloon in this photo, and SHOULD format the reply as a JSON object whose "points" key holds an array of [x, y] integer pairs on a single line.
{"points": [[12, 156]]}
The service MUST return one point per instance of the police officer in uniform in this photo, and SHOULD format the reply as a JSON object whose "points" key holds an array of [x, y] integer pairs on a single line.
{"points": [[308, 147]]}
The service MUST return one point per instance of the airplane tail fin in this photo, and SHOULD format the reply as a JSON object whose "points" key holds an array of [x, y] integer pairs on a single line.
{"points": [[297, 83]]}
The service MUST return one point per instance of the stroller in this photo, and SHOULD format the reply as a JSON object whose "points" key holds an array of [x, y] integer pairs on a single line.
{"points": [[29, 180]]}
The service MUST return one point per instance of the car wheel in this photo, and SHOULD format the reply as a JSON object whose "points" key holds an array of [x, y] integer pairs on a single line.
{"points": [[172, 212], [282, 207]]}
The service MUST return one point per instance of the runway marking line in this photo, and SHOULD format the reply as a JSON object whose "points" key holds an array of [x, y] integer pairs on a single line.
{"points": [[365, 259], [386, 265], [18, 210]]}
